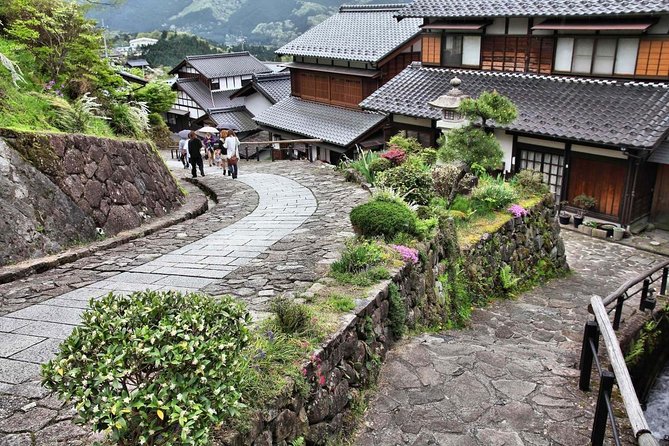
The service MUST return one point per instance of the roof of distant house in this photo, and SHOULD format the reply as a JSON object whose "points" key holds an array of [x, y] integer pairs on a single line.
{"points": [[364, 33], [137, 63], [274, 86], [336, 125], [239, 118], [205, 98], [215, 66], [529, 8], [132, 78], [614, 113]]}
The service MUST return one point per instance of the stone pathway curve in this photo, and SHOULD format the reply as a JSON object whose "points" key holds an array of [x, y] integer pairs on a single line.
{"points": [[30, 336], [511, 378]]}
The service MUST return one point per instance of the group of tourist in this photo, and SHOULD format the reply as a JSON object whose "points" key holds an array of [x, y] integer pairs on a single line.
{"points": [[223, 152]]}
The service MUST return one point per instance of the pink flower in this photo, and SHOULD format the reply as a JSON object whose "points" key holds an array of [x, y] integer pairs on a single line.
{"points": [[517, 210], [321, 380], [396, 156], [304, 372], [408, 254]]}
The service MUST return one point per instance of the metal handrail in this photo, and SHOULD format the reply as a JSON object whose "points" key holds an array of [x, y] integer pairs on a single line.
{"points": [[603, 325]]}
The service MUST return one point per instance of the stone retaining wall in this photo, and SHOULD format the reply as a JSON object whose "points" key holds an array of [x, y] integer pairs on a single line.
{"points": [[118, 183], [350, 358]]}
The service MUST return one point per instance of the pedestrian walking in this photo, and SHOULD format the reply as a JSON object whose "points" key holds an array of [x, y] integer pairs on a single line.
{"points": [[183, 152], [194, 148], [224, 153], [232, 151]]}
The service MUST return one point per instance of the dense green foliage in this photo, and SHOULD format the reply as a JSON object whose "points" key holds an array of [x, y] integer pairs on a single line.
{"points": [[490, 105], [397, 313], [292, 318], [528, 182], [172, 48], [412, 180], [493, 194], [158, 96], [153, 367], [379, 218], [358, 256]]}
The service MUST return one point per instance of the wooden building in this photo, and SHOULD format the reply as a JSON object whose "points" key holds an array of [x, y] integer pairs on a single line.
{"points": [[336, 65], [589, 79]]}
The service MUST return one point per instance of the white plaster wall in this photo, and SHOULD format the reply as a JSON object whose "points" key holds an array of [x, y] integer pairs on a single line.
{"points": [[541, 142], [506, 141], [256, 103], [598, 151]]}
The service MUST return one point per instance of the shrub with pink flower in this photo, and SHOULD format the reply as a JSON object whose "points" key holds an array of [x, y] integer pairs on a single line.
{"points": [[408, 254], [517, 210], [395, 155]]}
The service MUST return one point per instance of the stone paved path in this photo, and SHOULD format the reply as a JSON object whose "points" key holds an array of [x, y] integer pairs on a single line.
{"points": [[274, 230], [511, 377]]}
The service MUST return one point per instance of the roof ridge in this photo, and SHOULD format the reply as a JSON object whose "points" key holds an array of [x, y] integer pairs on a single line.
{"points": [[272, 76], [182, 80], [550, 77], [381, 7], [217, 55]]}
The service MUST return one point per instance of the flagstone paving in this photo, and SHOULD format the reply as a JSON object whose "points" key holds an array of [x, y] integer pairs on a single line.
{"points": [[511, 378], [274, 230]]}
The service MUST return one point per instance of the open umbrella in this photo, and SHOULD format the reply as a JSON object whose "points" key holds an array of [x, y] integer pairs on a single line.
{"points": [[207, 129], [183, 134], [228, 126]]}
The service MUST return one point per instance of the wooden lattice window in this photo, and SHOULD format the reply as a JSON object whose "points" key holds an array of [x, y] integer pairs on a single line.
{"points": [[346, 92], [653, 58], [431, 49]]}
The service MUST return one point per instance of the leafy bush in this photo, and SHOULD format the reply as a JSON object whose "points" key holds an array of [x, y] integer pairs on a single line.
{"points": [[429, 156], [362, 164], [493, 194], [379, 165], [158, 96], [529, 182], [153, 367], [445, 179], [379, 218], [160, 133], [397, 312], [358, 256], [409, 145], [425, 227], [395, 156], [340, 302], [411, 180], [462, 204], [507, 279], [291, 317], [471, 145]]}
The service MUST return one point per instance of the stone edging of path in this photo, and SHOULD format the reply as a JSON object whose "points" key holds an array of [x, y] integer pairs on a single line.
{"points": [[194, 207]]}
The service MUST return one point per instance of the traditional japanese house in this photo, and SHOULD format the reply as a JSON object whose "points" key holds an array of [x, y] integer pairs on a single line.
{"points": [[589, 79], [336, 65], [205, 85], [263, 91]]}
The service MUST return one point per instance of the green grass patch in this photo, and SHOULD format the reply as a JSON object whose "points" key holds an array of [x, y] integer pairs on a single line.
{"points": [[340, 302]]}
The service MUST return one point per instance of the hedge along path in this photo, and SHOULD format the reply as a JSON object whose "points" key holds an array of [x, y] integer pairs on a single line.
{"points": [[31, 335]]}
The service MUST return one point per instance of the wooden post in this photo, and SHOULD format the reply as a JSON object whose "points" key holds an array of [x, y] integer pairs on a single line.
{"points": [[591, 333], [665, 273], [602, 411], [619, 312], [644, 294]]}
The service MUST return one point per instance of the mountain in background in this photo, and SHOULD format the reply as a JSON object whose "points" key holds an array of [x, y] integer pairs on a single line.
{"points": [[272, 22]]}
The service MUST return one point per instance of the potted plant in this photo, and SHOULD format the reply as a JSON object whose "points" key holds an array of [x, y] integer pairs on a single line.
{"points": [[584, 203], [587, 227], [563, 215]]}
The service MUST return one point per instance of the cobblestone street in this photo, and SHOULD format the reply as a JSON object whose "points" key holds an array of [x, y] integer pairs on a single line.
{"points": [[511, 378]]}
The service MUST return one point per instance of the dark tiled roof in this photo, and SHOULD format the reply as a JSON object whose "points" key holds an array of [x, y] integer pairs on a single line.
{"points": [[616, 113], [529, 8], [275, 86], [137, 63], [362, 33], [223, 65], [203, 96], [661, 154], [336, 125], [238, 117]]}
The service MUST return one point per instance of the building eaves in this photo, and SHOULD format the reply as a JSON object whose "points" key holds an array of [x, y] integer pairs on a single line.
{"points": [[529, 8], [205, 98], [365, 33], [335, 125], [611, 113], [214, 66]]}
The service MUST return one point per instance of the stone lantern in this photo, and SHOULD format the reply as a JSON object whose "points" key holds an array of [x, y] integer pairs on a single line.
{"points": [[449, 103]]}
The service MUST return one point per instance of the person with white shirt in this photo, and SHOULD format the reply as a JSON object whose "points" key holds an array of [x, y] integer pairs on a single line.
{"points": [[232, 153]]}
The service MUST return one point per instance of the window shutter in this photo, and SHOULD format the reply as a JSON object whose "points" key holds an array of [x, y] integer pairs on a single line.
{"points": [[653, 59], [431, 49]]}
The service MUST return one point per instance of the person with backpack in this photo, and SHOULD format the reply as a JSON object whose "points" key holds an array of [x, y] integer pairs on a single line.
{"points": [[232, 152], [194, 148]]}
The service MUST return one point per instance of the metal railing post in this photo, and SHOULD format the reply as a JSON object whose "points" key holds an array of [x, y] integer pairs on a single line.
{"points": [[644, 294], [246, 150], [665, 273], [601, 412], [591, 333], [619, 312]]}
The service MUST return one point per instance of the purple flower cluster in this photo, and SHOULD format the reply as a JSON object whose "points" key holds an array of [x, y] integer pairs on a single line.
{"points": [[49, 86], [517, 210], [408, 254]]}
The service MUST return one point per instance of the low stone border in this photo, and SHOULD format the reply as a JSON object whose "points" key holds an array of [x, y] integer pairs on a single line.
{"points": [[194, 207]]}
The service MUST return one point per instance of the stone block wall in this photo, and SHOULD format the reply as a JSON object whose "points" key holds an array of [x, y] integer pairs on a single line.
{"points": [[117, 183], [350, 359]]}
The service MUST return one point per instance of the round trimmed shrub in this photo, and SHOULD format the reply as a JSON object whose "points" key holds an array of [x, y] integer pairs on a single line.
{"points": [[377, 218], [153, 367], [380, 164], [411, 180]]}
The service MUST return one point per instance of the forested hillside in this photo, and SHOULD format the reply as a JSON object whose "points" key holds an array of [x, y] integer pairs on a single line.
{"points": [[257, 21]]}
